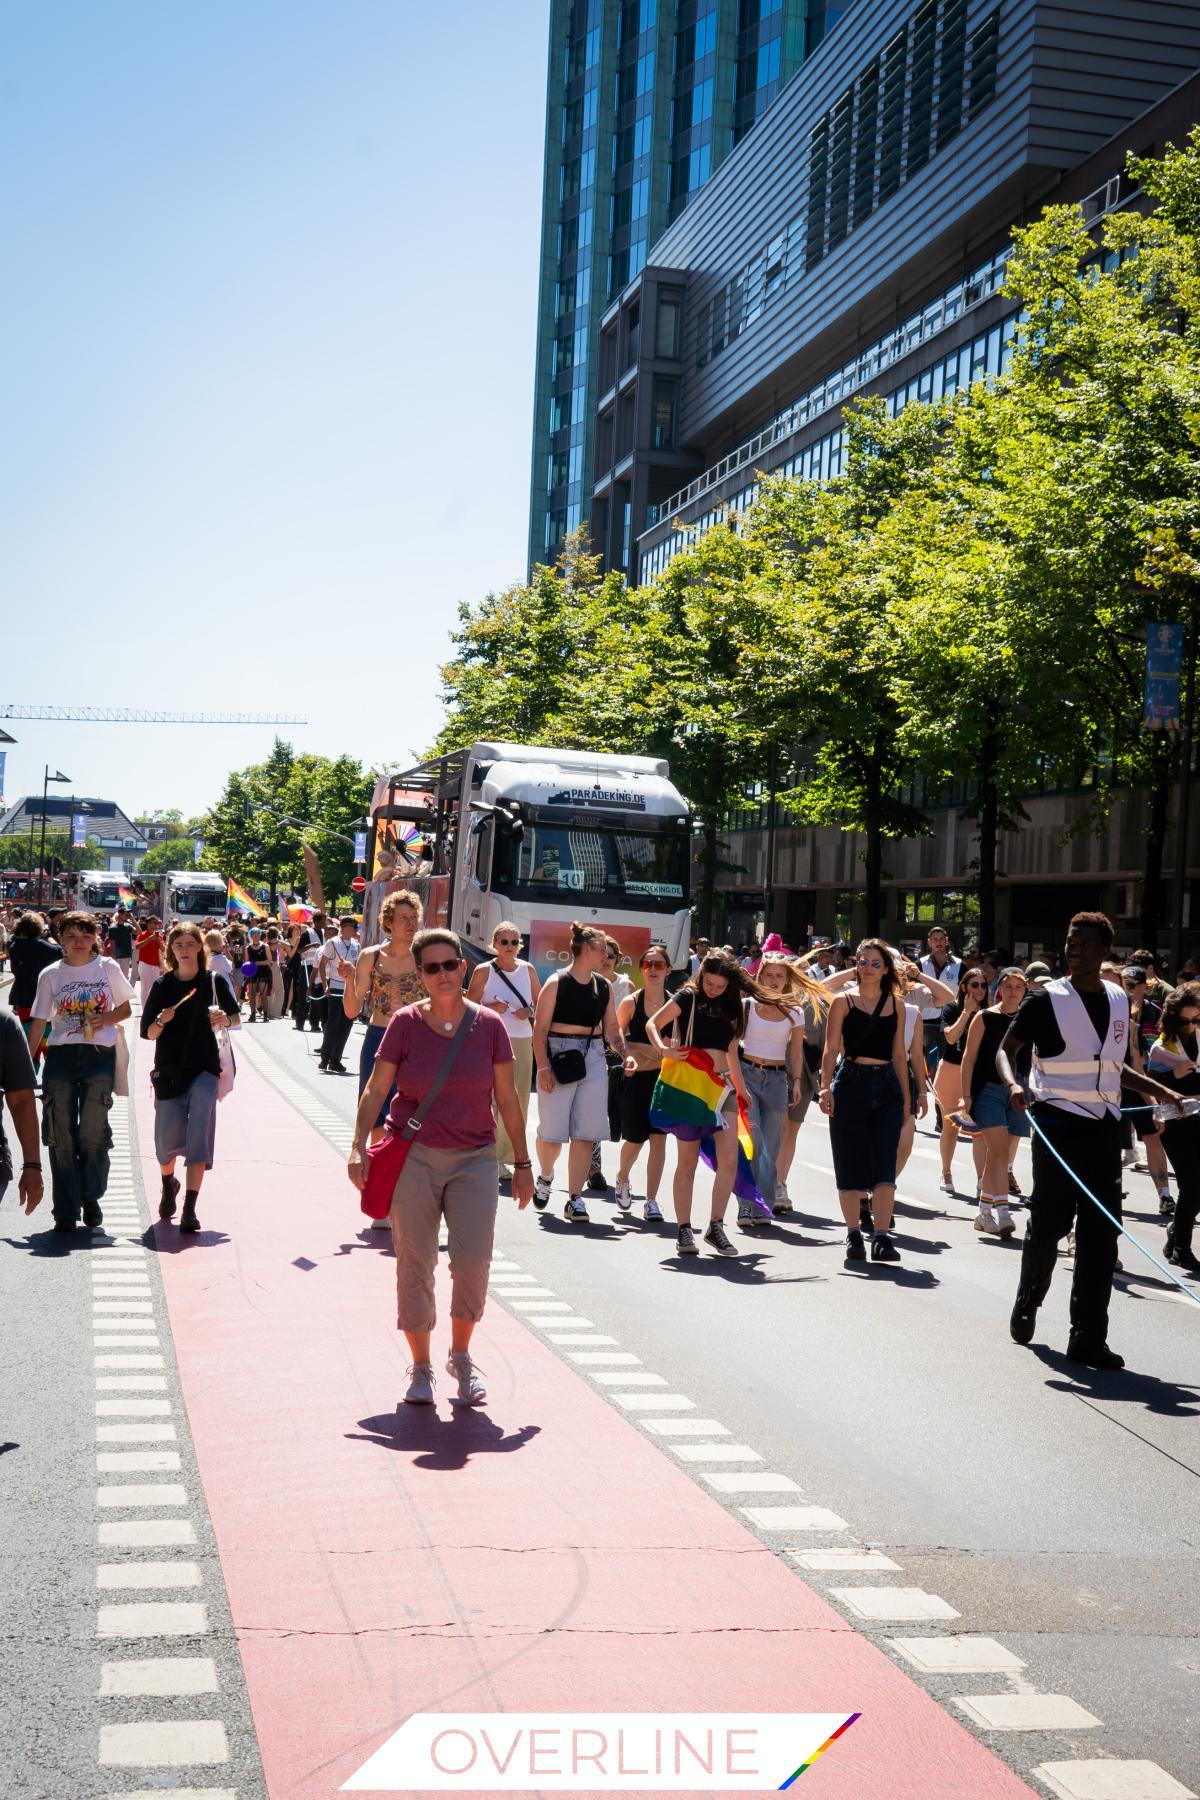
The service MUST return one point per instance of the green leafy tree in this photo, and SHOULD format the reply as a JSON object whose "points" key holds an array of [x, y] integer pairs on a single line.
{"points": [[248, 834], [167, 853]]}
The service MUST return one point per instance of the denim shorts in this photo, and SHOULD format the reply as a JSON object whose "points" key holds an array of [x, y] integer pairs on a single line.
{"points": [[991, 1107]]}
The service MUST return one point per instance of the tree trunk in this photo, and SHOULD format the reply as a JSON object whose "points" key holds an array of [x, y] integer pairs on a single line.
{"points": [[989, 825], [1162, 771], [708, 877], [873, 821]]}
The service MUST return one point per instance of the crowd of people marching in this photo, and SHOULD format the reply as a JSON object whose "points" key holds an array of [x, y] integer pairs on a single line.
{"points": [[725, 1056]]}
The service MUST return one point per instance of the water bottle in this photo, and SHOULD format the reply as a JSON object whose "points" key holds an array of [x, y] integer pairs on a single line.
{"points": [[1167, 1110]]}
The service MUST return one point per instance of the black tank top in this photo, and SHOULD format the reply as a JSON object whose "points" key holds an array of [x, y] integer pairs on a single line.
{"points": [[711, 1031], [637, 1033], [996, 1026], [869, 1034], [579, 1002]]}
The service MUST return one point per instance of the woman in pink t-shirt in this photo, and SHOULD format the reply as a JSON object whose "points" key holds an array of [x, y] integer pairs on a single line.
{"points": [[450, 1171]]}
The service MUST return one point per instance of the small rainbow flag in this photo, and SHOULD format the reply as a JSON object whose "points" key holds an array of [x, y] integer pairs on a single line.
{"points": [[685, 1102], [240, 900], [126, 895]]}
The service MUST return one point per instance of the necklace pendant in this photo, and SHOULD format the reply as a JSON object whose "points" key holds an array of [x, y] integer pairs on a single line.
{"points": [[448, 1025]]}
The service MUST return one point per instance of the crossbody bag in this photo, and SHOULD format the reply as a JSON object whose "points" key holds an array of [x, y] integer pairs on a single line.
{"points": [[386, 1158], [570, 1066]]}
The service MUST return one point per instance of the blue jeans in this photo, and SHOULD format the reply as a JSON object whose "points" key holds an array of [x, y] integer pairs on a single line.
{"points": [[372, 1038], [768, 1091], [77, 1086]]}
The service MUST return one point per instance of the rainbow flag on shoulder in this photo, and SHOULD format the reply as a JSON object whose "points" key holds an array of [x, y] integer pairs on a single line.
{"points": [[126, 895], [239, 901], [686, 1099]]}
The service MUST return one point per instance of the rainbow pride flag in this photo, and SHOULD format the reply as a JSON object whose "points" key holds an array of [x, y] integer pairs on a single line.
{"points": [[240, 901], [685, 1102], [126, 895]]}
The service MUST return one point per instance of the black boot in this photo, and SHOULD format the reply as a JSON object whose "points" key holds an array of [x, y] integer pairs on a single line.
{"points": [[1096, 1356], [170, 1193], [187, 1218], [1037, 1267]]}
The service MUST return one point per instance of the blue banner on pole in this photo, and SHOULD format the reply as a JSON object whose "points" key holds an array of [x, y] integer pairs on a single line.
{"points": [[360, 846], [79, 831], [1164, 656], [197, 851]]}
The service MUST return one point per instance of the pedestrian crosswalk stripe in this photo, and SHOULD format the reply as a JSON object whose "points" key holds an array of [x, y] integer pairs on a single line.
{"points": [[135, 1462], [152, 1618], [1025, 1712], [135, 1493], [148, 1575], [155, 1677], [138, 1534], [164, 1744]]}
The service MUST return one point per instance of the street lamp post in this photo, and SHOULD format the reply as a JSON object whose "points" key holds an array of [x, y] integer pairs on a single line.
{"points": [[42, 847]]}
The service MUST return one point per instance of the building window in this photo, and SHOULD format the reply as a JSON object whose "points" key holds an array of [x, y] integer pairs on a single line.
{"points": [[666, 394], [670, 311], [985, 52]]}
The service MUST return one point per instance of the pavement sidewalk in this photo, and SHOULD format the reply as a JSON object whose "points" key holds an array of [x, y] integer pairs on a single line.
{"points": [[540, 1554]]}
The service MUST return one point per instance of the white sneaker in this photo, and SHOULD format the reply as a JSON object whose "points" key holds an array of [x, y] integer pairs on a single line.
{"points": [[652, 1212], [624, 1197], [541, 1193], [986, 1220], [781, 1192], [420, 1385], [472, 1389], [1005, 1223], [946, 1185]]}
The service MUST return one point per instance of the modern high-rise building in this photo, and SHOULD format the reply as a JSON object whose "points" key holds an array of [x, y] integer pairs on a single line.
{"points": [[645, 98]]}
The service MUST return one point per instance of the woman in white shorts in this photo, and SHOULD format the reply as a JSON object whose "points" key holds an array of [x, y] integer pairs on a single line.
{"points": [[575, 1016]]}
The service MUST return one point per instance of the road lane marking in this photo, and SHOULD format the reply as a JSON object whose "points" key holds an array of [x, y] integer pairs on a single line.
{"points": [[834, 1559], [752, 1481], [148, 1575], [794, 1518], [152, 1618], [957, 1655], [1118, 1779], [715, 1452], [1026, 1712], [143, 1493], [139, 1462], [164, 1744], [135, 1434], [155, 1677], [884, 1604]]}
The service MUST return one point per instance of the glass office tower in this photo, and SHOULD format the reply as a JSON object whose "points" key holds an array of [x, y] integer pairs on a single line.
{"points": [[645, 98]]}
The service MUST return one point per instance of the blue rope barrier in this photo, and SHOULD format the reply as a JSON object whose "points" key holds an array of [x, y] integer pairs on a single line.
{"points": [[1111, 1217]]}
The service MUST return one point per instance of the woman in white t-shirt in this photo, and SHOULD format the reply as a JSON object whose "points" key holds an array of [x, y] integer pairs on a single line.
{"points": [[772, 1059], [510, 987], [80, 1001]]}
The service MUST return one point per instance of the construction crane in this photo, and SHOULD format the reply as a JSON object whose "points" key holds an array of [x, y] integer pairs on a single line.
{"points": [[128, 715]]}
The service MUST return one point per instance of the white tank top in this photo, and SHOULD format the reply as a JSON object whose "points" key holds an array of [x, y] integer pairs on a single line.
{"points": [[766, 1039], [496, 988]]}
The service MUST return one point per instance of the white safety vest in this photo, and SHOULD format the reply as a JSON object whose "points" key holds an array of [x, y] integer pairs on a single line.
{"points": [[951, 974], [1086, 1078]]}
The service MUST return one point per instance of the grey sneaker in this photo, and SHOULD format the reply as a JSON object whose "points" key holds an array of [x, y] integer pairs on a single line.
{"points": [[420, 1385], [716, 1239], [472, 1389], [685, 1242]]}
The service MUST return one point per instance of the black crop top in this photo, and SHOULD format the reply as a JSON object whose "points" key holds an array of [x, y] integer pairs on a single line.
{"points": [[869, 1034], [636, 1031], [580, 1002], [711, 1031]]}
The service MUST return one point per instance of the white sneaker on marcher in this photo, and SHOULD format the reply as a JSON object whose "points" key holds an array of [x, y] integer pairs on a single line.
{"points": [[652, 1212], [1129, 1157], [541, 1193], [472, 1389], [575, 1212], [985, 1219], [946, 1185], [781, 1192], [420, 1385], [1005, 1223], [624, 1197]]}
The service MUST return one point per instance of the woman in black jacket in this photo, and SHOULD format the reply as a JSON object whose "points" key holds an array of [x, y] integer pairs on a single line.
{"points": [[184, 1010], [29, 952]]}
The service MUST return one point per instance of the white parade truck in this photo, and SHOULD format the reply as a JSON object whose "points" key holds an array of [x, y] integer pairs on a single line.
{"points": [[539, 836], [189, 895], [98, 891]]}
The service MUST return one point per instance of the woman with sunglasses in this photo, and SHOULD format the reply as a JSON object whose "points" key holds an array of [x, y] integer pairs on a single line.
{"points": [[1175, 1060], [450, 1170], [510, 987], [642, 1063], [575, 1016], [947, 1080], [987, 1102], [864, 1092]]}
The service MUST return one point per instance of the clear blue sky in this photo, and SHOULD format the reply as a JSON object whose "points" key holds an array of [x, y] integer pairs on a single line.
{"points": [[267, 367]]}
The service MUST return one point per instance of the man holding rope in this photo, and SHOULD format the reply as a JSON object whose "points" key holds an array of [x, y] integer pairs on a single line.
{"points": [[1078, 1027]]}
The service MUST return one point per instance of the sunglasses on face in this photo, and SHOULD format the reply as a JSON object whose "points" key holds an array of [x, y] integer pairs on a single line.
{"points": [[1188, 1018], [864, 962], [439, 968], [977, 984], [654, 965], [512, 941]]}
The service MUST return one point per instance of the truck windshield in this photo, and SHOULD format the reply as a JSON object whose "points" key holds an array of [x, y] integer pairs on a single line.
{"points": [[103, 895], [199, 903], [642, 871]]}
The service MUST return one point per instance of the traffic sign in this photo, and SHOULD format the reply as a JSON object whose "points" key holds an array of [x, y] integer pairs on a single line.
{"points": [[358, 885]]}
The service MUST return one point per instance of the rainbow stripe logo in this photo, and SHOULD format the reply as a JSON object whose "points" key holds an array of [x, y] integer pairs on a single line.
{"points": [[831, 1739]]}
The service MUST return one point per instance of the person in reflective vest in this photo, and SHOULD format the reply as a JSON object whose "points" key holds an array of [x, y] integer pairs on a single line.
{"points": [[1078, 1027]]}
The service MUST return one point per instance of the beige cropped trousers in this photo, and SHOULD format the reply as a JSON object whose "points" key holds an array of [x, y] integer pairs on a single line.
{"points": [[461, 1187]]}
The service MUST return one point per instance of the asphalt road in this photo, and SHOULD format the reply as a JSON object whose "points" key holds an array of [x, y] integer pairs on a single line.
{"points": [[1055, 1509]]}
